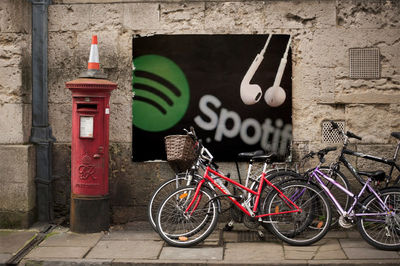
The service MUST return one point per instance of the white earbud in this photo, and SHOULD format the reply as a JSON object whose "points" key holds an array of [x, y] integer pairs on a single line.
{"points": [[275, 95], [251, 93]]}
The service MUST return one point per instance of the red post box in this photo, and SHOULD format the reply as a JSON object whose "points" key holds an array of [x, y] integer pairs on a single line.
{"points": [[89, 154], [90, 205]]}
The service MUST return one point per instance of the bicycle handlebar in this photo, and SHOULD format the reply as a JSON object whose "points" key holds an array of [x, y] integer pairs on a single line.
{"points": [[347, 134], [327, 150], [352, 135], [321, 153], [191, 133], [204, 153]]}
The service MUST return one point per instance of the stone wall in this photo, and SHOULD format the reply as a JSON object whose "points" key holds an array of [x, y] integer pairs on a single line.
{"points": [[17, 189], [323, 31]]}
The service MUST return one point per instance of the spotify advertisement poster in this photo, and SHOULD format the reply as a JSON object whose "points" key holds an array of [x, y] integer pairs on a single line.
{"points": [[235, 90]]}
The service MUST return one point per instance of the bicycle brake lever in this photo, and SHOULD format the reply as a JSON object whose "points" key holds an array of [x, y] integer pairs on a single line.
{"points": [[334, 125], [309, 155]]}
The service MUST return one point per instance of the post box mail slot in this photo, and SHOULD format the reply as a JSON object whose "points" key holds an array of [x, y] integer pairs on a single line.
{"points": [[86, 107]]}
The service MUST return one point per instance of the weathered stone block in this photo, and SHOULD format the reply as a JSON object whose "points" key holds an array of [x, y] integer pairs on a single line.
{"points": [[14, 66], [105, 17], [61, 179], [17, 192], [329, 47], [11, 90], [366, 97], [141, 16], [63, 51], [125, 214], [15, 121], [301, 14], [308, 116], [182, 16], [123, 77], [11, 173], [16, 197], [16, 219], [61, 163], [125, 47], [15, 16], [374, 127], [60, 119], [57, 77], [312, 83], [395, 121], [368, 14], [121, 122], [68, 17], [228, 17]]}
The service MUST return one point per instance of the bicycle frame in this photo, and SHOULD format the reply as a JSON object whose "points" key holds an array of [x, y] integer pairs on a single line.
{"points": [[246, 208], [317, 174], [390, 162]]}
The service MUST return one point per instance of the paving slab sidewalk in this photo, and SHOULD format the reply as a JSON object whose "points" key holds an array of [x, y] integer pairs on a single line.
{"points": [[137, 244], [11, 241]]}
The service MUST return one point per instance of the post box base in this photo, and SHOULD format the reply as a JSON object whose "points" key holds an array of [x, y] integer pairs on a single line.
{"points": [[89, 214]]}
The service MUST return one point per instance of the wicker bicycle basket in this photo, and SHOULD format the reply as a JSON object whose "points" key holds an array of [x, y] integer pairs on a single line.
{"points": [[180, 152]]}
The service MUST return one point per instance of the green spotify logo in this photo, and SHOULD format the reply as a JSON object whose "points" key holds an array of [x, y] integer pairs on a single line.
{"points": [[161, 93]]}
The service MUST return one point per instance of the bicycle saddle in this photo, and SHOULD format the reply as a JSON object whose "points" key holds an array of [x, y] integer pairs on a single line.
{"points": [[396, 135], [271, 157], [249, 155], [376, 175]]}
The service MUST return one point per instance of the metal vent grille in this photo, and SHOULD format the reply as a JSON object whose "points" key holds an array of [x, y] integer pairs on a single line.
{"points": [[364, 63], [329, 135]]}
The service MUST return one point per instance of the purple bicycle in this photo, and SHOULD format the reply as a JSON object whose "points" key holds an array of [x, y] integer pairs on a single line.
{"points": [[377, 216]]}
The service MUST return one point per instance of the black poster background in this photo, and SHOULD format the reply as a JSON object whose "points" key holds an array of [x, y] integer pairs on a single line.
{"points": [[216, 65]]}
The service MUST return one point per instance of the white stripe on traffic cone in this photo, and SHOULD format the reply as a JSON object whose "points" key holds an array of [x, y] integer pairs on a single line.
{"points": [[94, 62]]}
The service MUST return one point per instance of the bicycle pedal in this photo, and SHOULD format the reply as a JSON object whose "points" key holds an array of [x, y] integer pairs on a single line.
{"points": [[260, 235], [228, 228]]}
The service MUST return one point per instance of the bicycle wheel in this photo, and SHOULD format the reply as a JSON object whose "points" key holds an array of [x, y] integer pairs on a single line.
{"points": [[275, 177], [163, 191], [381, 230], [340, 196], [300, 228], [181, 229]]}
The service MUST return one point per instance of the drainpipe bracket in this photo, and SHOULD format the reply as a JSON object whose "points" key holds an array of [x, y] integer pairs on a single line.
{"points": [[41, 135], [40, 2]]}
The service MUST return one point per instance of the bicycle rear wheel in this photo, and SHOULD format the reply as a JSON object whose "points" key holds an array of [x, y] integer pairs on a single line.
{"points": [[299, 228], [382, 230], [276, 178], [181, 229], [163, 191]]}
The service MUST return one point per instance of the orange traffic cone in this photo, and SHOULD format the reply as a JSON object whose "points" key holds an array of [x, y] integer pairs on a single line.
{"points": [[94, 55], [93, 70]]}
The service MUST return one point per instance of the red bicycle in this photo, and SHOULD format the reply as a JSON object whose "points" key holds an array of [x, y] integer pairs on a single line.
{"points": [[190, 214]]}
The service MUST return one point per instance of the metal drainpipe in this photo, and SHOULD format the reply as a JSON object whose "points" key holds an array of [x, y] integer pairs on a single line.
{"points": [[41, 134]]}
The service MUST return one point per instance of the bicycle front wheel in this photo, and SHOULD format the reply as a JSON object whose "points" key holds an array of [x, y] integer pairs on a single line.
{"points": [[163, 191], [380, 227], [298, 228], [342, 198], [183, 229]]}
